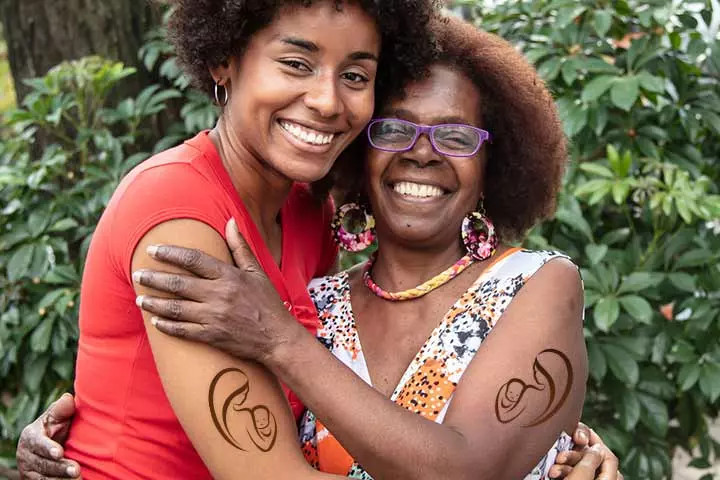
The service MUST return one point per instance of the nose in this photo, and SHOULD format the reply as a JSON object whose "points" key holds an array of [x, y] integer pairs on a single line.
{"points": [[423, 152], [323, 97]]}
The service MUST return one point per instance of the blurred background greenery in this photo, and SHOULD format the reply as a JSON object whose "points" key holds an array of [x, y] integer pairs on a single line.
{"points": [[638, 87]]}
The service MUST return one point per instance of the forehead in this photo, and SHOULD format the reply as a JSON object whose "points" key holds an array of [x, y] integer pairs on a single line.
{"points": [[323, 22], [446, 92]]}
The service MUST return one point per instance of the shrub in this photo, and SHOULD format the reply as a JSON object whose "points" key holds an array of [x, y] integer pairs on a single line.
{"points": [[61, 157], [637, 84]]}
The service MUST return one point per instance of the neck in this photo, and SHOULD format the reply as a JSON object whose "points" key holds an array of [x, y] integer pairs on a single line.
{"points": [[262, 189], [399, 268]]}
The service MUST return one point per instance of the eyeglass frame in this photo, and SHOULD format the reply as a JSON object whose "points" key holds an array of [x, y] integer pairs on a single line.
{"points": [[428, 131]]}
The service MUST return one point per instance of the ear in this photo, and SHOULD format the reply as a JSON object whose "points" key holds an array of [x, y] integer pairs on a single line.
{"points": [[222, 73]]}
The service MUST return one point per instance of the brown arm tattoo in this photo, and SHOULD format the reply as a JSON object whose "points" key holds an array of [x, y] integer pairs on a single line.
{"points": [[228, 392], [510, 404]]}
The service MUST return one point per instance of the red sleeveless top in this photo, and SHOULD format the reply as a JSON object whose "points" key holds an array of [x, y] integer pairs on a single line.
{"points": [[124, 426]]}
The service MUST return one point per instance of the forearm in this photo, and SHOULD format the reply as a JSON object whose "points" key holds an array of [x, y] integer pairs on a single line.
{"points": [[389, 441]]}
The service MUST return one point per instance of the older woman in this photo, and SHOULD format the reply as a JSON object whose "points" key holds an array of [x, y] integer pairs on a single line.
{"points": [[427, 170]]}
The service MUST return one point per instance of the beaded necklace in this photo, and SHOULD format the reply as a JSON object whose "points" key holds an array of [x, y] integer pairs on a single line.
{"points": [[421, 290]]}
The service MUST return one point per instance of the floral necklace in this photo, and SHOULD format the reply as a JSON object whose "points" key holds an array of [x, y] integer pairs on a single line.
{"points": [[421, 290]]}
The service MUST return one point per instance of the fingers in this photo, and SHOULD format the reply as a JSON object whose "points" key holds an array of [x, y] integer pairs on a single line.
{"points": [[38, 467], [192, 288], [190, 259], [570, 457], [559, 471], [186, 331], [609, 468], [581, 436], [171, 308], [242, 254], [587, 466]]}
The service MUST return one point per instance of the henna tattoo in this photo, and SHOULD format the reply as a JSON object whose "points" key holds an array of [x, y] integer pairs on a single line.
{"points": [[509, 403], [228, 392]]}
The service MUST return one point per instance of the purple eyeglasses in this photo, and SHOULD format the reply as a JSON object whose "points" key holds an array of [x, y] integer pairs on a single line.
{"points": [[451, 139]]}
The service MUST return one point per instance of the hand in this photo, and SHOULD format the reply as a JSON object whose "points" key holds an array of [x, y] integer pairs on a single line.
{"points": [[39, 452], [588, 455], [234, 309]]}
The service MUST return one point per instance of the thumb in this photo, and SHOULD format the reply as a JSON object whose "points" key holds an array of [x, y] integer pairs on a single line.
{"points": [[241, 252], [62, 409]]}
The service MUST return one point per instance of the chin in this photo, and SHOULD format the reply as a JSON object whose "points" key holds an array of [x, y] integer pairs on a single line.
{"points": [[303, 170]]}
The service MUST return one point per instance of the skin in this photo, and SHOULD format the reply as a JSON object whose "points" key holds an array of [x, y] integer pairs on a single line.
{"points": [[464, 431], [418, 238]]}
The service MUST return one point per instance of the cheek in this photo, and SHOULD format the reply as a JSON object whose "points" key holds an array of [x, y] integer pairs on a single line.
{"points": [[360, 107]]}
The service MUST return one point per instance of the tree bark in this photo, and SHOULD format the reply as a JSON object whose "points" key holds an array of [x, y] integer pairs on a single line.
{"points": [[42, 33]]}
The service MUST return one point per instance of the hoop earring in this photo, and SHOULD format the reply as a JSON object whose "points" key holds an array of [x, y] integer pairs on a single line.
{"points": [[217, 96], [353, 242], [478, 234]]}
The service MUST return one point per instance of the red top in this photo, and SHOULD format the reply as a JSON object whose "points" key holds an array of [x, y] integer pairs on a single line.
{"points": [[124, 426]]}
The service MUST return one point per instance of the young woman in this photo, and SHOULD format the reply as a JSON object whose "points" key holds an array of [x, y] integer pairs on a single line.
{"points": [[295, 90], [245, 425]]}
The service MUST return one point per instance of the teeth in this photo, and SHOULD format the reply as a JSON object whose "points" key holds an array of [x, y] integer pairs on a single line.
{"points": [[307, 135], [417, 190]]}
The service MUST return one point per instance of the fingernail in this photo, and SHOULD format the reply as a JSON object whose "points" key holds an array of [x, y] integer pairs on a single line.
{"points": [[154, 321], [597, 448], [152, 250], [583, 436], [233, 223], [139, 300], [72, 471], [137, 276], [55, 452]]}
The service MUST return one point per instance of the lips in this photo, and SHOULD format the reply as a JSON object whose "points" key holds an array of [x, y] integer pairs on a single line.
{"points": [[306, 134]]}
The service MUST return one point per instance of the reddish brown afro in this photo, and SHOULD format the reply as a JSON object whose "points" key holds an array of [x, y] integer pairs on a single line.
{"points": [[527, 157]]}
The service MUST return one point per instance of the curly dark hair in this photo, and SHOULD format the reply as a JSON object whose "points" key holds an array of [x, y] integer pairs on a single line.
{"points": [[206, 33], [527, 157]]}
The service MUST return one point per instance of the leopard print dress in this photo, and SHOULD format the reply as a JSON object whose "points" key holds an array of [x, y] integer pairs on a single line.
{"points": [[427, 386]]}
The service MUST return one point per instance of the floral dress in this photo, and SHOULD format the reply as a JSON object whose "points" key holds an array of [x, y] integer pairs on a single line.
{"points": [[427, 386]]}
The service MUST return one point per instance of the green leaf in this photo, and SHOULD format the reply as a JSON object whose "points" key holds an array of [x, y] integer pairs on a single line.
{"points": [[64, 224], [651, 82], [595, 253], [629, 410], [683, 281], [40, 338], [596, 87], [622, 364], [602, 22], [688, 376], [710, 380], [637, 307], [34, 371], [638, 281], [550, 68], [19, 263], [575, 120], [624, 92], [654, 414], [606, 313], [596, 169], [596, 361]]}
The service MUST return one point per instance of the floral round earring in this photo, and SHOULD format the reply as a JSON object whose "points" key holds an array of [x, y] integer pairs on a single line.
{"points": [[349, 215], [478, 234]]}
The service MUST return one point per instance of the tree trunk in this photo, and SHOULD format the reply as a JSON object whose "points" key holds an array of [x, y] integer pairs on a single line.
{"points": [[42, 33]]}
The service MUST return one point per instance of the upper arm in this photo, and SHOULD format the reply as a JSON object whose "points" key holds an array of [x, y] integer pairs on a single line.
{"points": [[526, 383], [233, 411]]}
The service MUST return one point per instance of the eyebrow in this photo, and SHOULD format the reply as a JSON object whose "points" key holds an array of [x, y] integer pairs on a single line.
{"points": [[408, 115], [312, 47]]}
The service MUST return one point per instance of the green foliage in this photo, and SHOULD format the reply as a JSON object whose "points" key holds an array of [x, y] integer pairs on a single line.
{"points": [[637, 85], [61, 156], [7, 90]]}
